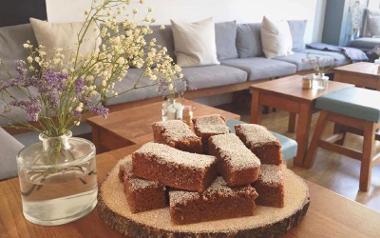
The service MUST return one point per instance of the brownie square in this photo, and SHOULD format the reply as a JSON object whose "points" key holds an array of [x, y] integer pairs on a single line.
{"points": [[177, 134], [142, 195], [174, 168], [270, 186], [218, 202], [210, 125], [261, 142], [236, 163]]}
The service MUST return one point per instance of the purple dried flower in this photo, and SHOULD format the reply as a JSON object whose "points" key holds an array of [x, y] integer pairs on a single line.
{"points": [[32, 107], [99, 110], [52, 79], [79, 86]]}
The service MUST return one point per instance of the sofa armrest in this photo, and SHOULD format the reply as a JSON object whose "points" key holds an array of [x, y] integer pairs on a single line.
{"points": [[8, 152]]}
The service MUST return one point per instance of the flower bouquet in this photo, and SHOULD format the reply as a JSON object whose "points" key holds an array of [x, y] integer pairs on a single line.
{"points": [[55, 88]]}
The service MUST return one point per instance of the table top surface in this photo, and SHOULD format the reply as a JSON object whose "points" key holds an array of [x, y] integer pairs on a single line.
{"points": [[291, 87], [329, 215], [362, 68], [135, 124]]}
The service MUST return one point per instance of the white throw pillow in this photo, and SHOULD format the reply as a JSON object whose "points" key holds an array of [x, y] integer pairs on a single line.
{"points": [[195, 43], [276, 38], [374, 26], [65, 36]]}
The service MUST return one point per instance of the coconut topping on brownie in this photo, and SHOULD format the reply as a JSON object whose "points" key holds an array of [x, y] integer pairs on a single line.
{"points": [[176, 129], [234, 151], [257, 135], [167, 154], [136, 183], [211, 124], [271, 174], [218, 187]]}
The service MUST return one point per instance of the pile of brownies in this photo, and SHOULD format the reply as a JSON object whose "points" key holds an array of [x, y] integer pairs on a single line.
{"points": [[207, 175]]}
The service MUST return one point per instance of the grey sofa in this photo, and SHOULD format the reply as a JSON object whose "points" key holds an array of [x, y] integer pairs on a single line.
{"points": [[239, 51]]}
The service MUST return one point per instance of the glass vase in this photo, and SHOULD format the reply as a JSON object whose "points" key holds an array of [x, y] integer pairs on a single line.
{"points": [[320, 81], [57, 179], [171, 110]]}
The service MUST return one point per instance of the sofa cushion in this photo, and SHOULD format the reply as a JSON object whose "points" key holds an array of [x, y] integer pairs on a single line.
{"points": [[9, 149], [164, 37], [225, 33], [365, 43], [276, 38], [297, 30], [299, 59], [340, 59], [368, 13], [11, 40], [374, 26], [147, 88], [213, 76], [248, 40], [262, 68], [195, 42], [65, 36]]}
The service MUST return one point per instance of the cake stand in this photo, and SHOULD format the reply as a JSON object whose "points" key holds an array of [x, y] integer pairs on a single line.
{"points": [[266, 221]]}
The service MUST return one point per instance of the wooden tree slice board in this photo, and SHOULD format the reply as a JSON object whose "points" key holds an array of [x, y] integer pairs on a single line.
{"points": [[267, 221]]}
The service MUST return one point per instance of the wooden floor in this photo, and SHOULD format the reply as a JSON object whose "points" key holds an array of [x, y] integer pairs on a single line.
{"points": [[335, 172]]}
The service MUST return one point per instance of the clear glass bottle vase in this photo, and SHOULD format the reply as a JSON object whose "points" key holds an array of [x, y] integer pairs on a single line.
{"points": [[57, 179]]}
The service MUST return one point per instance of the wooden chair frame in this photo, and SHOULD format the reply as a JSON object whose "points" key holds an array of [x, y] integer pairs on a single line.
{"points": [[344, 124]]}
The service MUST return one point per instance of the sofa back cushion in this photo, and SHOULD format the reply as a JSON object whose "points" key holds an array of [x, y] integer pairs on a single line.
{"points": [[164, 37], [369, 13], [248, 40], [297, 30], [225, 33], [11, 40]]}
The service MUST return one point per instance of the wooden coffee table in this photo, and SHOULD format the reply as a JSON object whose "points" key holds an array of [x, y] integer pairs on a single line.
{"points": [[329, 215], [362, 74], [287, 94], [134, 125]]}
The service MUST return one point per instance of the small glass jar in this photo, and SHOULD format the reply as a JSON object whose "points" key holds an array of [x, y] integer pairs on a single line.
{"points": [[171, 110], [307, 82], [57, 179], [320, 81]]}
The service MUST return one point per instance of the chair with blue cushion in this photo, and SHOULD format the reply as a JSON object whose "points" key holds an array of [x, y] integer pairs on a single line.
{"points": [[9, 147], [288, 146], [354, 110]]}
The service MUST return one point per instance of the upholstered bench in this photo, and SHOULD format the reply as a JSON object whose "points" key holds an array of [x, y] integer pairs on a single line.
{"points": [[354, 110], [288, 146]]}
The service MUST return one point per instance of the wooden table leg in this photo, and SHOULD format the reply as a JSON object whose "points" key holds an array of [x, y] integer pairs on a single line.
{"points": [[292, 122], [255, 107], [95, 136], [302, 133], [368, 149]]}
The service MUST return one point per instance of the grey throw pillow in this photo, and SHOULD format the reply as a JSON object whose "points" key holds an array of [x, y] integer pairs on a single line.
{"points": [[297, 30], [225, 36], [248, 40], [374, 26]]}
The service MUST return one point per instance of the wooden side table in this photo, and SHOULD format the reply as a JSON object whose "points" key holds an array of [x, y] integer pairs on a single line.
{"points": [[362, 74], [287, 94], [134, 125]]}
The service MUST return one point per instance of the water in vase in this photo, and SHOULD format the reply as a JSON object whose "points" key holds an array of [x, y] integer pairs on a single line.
{"points": [[56, 198]]}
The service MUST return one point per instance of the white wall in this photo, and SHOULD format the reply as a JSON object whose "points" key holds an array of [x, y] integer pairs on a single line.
{"points": [[221, 10]]}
